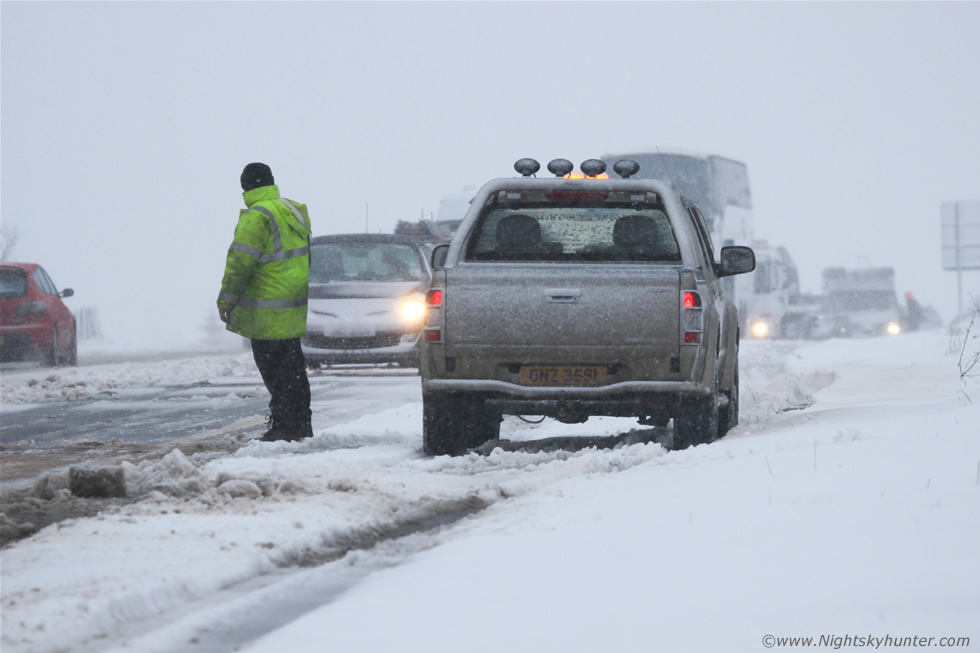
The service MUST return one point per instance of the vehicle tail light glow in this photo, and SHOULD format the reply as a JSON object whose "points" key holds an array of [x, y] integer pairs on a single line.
{"points": [[433, 335], [692, 314], [433, 299]]}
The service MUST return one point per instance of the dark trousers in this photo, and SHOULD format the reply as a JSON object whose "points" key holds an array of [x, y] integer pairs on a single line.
{"points": [[283, 369]]}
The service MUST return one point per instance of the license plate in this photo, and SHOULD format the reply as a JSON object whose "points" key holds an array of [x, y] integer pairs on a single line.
{"points": [[574, 375]]}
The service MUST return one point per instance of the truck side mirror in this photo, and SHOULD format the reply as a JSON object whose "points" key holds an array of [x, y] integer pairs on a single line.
{"points": [[439, 256], [736, 259]]}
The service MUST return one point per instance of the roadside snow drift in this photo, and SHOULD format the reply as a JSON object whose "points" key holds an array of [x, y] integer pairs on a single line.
{"points": [[846, 503]]}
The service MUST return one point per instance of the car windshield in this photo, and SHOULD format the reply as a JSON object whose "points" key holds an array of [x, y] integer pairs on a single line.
{"points": [[574, 233], [13, 283], [364, 261]]}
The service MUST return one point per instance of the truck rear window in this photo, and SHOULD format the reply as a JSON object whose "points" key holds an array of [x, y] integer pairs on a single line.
{"points": [[598, 233]]}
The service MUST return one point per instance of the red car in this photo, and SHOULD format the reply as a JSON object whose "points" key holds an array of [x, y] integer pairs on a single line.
{"points": [[34, 322]]}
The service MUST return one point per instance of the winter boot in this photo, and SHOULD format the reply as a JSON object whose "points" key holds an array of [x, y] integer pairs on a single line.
{"points": [[275, 433], [296, 433], [304, 431]]}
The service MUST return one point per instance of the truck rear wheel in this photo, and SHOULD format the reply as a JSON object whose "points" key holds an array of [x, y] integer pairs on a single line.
{"points": [[697, 422], [728, 416], [451, 424]]}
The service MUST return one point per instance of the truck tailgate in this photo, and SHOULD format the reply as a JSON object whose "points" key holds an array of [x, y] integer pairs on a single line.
{"points": [[564, 314]]}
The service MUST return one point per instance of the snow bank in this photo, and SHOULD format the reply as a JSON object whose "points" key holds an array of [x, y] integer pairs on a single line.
{"points": [[42, 385], [848, 498]]}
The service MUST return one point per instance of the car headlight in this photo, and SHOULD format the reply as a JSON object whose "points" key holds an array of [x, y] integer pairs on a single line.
{"points": [[413, 308], [893, 329], [760, 329]]}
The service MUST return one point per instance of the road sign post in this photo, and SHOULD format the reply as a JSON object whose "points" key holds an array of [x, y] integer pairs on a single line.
{"points": [[961, 241]]}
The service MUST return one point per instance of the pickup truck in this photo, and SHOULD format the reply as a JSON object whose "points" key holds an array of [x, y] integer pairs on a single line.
{"points": [[576, 296]]}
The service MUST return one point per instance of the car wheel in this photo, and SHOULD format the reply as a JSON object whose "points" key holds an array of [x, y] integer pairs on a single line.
{"points": [[697, 422], [482, 425], [51, 356], [72, 359], [451, 424], [439, 433], [728, 416]]}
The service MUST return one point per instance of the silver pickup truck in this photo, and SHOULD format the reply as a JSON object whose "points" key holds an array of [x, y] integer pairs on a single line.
{"points": [[572, 297]]}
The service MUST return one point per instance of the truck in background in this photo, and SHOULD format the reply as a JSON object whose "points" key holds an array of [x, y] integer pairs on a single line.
{"points": [[777, 308], [863, 300], [452, 208], [768, 300], [719, 186]]}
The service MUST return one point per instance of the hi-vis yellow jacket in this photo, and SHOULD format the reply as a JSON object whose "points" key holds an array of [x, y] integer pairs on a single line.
{"points": [[267, 273]]}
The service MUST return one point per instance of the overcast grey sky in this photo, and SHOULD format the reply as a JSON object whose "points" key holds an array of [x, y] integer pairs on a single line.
{"points": [[125, 125]]}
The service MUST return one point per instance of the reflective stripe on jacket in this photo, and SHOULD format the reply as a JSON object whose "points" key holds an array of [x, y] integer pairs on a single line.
{"points": [[267, 272]]}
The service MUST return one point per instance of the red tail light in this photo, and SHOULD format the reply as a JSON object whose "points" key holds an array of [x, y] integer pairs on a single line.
{"points": [[691, 317], [433, 299]]}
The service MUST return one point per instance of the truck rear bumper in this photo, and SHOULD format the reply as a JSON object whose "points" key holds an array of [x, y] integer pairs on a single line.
{"points": [[576, 404], [676, 388]]}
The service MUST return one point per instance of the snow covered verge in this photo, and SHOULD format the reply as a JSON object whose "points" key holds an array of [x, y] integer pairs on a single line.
{"points": [[846, 503], [27, 385]]}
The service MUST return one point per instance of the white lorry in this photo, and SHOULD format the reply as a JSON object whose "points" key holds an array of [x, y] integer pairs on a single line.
{"points": [[776, 309], [864, 300], [768, 300]]}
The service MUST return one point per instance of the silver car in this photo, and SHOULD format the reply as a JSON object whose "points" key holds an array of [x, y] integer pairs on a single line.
{"points": [[367, 294]]}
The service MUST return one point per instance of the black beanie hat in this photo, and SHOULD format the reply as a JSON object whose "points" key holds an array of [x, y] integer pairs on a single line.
{"points": [[256, 175]]}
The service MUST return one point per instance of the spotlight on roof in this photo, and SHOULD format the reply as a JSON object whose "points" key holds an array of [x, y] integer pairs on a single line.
{"points": [[626, 168], [527, 167], [560, 167], [593, 167]]}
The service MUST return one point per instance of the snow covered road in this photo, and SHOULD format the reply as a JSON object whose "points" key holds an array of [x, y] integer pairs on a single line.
{"points": [[848, 500]]}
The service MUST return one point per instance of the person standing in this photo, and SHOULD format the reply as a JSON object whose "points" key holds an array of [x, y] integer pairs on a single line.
{"points": [[264, 296]]}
